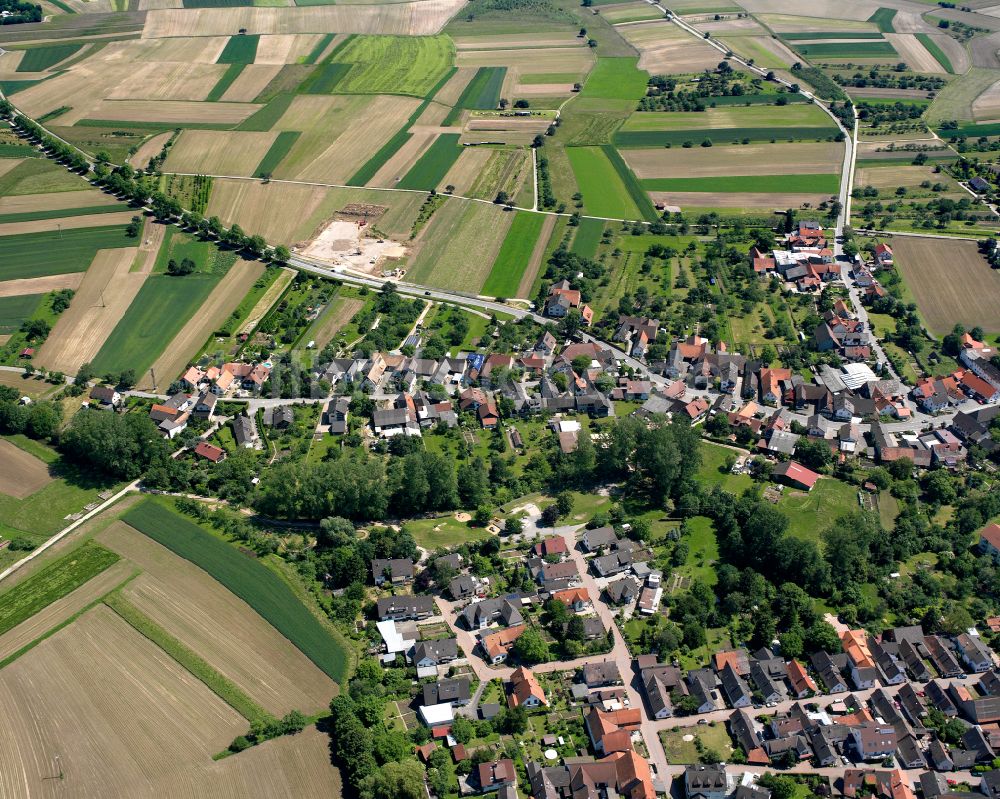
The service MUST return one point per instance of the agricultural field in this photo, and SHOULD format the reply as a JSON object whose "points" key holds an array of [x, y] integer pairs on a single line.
{"points": [[515, 255], [54, 252], [394, 64], [937, 272], [605, 193]]}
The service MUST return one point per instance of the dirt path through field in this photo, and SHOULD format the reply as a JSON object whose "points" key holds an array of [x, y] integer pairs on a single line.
{"points": [[106, 292], [528, 278], [66, 223], [40, 285], [213, 312]]}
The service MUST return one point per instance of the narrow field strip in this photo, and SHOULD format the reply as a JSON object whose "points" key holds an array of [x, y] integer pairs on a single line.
{"points": [[481, 93], [587, 237], [279, 149], [696, 136], [228, 78], [430, 169], [514, 255], [225, 689], [807, 184], [631, 183], [59, 213], [935, 50]]}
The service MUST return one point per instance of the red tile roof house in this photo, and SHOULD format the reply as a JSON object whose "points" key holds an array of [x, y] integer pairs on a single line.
{"points": [[796, 475], [553, 545], [525, 690], [493, 776], [577, 599], [210, 452], [883, 255], [989, 540]]}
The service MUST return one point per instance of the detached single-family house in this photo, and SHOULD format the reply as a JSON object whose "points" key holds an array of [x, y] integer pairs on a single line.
{"points": [[393, 570], [525, 690], [434, 653]]}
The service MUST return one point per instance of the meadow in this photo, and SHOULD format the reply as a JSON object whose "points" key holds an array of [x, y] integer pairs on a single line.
{"points": [[605, 192], [514, 255], [56, 252], [615, 79], [278, 150], [39, 59], [240, 49], [14, 310], [52, 582], [253, 582], [807, 184], [430, 169], [394, 64], [587, 237], [872, 49]]}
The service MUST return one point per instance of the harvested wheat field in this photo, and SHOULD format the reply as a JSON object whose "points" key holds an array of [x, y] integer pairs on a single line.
{"points": [[664, 48], [154, 80], [939, 272], [275, 210], [58, 201], [172, 112], [219, 626], [106, 292], [285, 48], [251, 82], [83, 87], [890, 177], [420, 18], [822, 12], [40, 285], [66, 223], [452, 90], [149, 149], [190, 50], [208, 318], [363, 136], [987, 105], [120, 713], [557, 59], [21, 473], [736, 199], [916, 56], [750, 159], [63, 609], [467, 168], [217, 152], [270, 297]]}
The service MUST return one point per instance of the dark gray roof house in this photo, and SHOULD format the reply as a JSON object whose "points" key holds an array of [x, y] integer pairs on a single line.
{"points": [[454, 691]]}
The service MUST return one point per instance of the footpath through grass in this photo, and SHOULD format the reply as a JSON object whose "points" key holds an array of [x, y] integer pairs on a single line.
{"points": [[246, 577], [53, 582], [221, 686]]}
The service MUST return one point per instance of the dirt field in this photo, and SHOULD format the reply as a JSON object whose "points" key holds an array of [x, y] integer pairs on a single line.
{"points": [[121, 715], [27, 386], [172, 111], [340, 313], [250, 83], [219, 152], [342, 242], [421, 18], [107, 290], [735, 199], [149, 149], [987, 105], [40, 285], [890, 177], [664, 48], [285, 49], [59, 201], [66, 223], [21, 474], [528, 278], [219, 626], [155, 80], [914, 53], [213, 312], [62, 609], [467, 168], [939, 273], [275, 210], [269, 298], [751, 159]]}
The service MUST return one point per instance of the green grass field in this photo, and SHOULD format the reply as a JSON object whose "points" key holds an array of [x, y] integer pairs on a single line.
{"points": [[616, 79], [883, 18], [240, 49], [443, 531], [57, 252], [873, 49], [807, 184], [587, 237], [52, 582], [399, 138], [246, 577], [158, 312], [809, 512], [934, 49], [631, 183], [38, 59], [604, 192], [325, 79], [819, 36], [675, 138], [15, 310], [482, 93], [433, 165], [61, 213], [38, 176], [279, 149], [266, 117], [515, 252], [395, 64]]}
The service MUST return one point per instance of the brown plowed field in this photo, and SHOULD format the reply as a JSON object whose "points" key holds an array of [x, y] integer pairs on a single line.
{"points": [[21, 473], [220, 627], [940, 274], [98, 711], [213, 312], [40, 285], [106, 292]]}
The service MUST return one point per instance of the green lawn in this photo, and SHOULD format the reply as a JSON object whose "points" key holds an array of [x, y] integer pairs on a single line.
{"points": [[712, 736], [616, 79], [604, 192], [809, 512], [38, 59], [241, 49], [712, 457], [515, 252], [703, 551], [443, 531], [395, 64], [57, 252], [818, 184], [587, 237], [430, 169], [246, 577], [52, 582]]}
